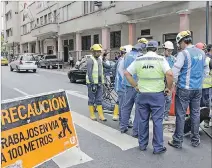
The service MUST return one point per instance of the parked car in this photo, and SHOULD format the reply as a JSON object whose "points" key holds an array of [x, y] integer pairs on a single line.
{"points": [[50, 61], [4, 61], [79, 72], [24, 62]]}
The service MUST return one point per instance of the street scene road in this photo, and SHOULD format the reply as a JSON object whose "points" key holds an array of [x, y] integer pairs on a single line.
{"points": [[101, 143]]}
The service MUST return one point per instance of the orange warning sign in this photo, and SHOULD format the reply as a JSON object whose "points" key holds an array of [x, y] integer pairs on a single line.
{"points": [[36, 129]]}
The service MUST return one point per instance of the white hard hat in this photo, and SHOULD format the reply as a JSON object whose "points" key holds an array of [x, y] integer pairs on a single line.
{"points": [[128, 48], [168, 45]]}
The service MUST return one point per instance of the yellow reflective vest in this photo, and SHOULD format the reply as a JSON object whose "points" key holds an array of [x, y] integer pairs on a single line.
{"points": [[95, 74], [207, 82]]}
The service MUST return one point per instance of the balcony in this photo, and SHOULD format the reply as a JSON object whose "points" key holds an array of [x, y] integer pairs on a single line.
{"points": [[135, 7], [49, 29]]}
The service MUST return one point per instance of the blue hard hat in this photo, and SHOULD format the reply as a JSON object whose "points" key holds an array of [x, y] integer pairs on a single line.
{"points": [[152, 44], [139, 46]]}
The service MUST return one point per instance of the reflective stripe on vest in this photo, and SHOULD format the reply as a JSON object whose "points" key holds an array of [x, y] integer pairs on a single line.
{"points": [[207, 82], [95, 72], [150, 74]]}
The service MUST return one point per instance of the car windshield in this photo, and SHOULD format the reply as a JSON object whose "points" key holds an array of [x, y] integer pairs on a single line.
{"points": [[51, 57], [28, 58]]}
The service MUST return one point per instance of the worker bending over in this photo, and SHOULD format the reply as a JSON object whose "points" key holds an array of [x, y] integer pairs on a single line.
{"points": [[129, 92], [188, 73], [151, 69], [95, 80], [168, 49]]}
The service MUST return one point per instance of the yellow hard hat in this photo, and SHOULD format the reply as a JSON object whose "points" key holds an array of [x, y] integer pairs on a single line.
{"points": [[122, 48], [96, 47], [182, 34], [143, 40]]}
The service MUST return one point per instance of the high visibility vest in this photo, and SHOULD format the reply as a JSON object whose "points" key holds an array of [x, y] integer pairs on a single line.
{"points": [[150, 73], [207, 82], [95, 73]]}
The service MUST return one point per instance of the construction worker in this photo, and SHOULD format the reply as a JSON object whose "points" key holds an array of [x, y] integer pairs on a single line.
{"points": [[209, 50], [94, 80], [188, 71], [168, 49], [118, 82], [129, 92], [207, 83], [151, 69]]}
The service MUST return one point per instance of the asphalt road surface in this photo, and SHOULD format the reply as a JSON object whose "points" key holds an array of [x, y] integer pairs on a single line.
{"points": [[101, 144]]}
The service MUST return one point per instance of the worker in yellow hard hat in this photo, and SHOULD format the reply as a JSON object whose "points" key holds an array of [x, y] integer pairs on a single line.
{"points": [[189, 71], [95, 80], [143, 40]]}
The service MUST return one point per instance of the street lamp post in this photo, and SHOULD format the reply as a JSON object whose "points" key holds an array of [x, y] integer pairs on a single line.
{"points": [[207, 22]]}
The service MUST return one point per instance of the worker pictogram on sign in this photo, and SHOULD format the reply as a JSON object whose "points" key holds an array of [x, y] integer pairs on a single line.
{"points": [[33, 125]]}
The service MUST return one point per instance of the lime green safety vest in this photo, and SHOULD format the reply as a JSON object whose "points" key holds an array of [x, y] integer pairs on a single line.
{"points": [[95, 73], [207, 82], [150, 74]]}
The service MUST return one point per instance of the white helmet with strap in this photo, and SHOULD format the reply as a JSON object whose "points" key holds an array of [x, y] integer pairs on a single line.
{"points": [[168, 45]]}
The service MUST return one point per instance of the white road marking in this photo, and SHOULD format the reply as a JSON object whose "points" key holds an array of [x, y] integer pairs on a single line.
{"points": [[74, 93], [71, 157], [18, 90], [109, 134]]}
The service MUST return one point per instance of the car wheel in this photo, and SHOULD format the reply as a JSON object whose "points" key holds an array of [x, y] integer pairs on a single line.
{"points": [[48, 67], [18, 70], [72, 79], [11, 69], [61, 66], [34, 70]]}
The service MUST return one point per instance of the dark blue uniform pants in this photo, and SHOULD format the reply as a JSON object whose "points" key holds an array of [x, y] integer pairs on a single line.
{"points": [[95, 98], [150, 102], [130, 95]]}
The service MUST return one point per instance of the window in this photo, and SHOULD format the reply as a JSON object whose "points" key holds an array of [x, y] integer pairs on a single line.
{"points": [[71, 44], [145, 32], [41, 20], [65, 42], [31, 25], [24, 16], [24, 29], [45, 19], [8, 15], [115, 39], [92, 7], [85, 7], [6, 2], [86, 42], [37, 21], [96, 39], [55, 16], [9, 32], [65, 13], [50, 17]]}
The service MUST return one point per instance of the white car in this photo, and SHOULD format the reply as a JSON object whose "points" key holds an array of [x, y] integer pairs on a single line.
{"points": [[25, 63]]}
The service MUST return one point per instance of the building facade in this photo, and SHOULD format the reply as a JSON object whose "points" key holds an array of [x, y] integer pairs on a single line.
{"points": [[72, 27]]}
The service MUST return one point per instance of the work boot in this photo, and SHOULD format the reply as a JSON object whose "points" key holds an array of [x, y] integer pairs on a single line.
{"points": [[116, 113], [92, 115], [100, 112]]}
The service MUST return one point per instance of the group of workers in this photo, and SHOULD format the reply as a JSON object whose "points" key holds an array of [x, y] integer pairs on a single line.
{"points": [[147, 80]]}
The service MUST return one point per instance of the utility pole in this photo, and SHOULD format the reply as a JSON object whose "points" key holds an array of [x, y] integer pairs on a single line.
{"points": [[207, 22]]}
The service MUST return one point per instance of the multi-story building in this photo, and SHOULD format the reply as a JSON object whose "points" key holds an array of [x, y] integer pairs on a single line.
{"points": [[63, 27]]}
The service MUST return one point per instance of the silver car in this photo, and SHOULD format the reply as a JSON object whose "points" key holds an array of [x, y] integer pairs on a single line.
{"points": [[25, 63]]}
